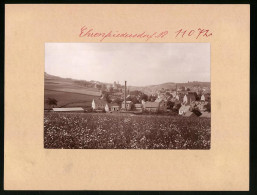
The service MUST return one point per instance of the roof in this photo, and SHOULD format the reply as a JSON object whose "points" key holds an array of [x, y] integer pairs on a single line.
{"points": [[151, 104], [127, 102], [138, 105], [68, 109], [98, 101], [113, 104], [159, 100], [189, 114], [184, 108]]}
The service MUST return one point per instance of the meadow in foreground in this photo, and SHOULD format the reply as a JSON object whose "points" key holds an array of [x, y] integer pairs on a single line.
{"points": [[124, 131]]}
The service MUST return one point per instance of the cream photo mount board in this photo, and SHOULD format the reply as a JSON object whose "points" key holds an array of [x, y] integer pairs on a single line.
{"points": [[29, 166]]}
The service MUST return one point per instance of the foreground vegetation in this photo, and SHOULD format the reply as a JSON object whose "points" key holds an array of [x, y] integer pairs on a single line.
{"points": [[124, 131]]}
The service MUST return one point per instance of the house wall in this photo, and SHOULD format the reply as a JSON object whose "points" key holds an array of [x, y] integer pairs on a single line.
{"points": [[151, 109], [115, 108], [163, 106], [202, 98], [93, 105], [128, 106], [106, 108], [99, 106], [185, 100]]}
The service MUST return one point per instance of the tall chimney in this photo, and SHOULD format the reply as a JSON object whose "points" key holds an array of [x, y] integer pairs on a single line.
{"points": [[125, 95]]}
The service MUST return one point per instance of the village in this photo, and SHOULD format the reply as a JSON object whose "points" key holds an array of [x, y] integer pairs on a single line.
{"points": [[117, 98], [157, 97]]}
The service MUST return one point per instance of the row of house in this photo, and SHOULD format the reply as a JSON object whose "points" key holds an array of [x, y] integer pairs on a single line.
{"points": [[160, 104]]}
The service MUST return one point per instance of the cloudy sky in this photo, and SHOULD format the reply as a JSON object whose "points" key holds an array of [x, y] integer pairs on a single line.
{"points": [[139, 63]]}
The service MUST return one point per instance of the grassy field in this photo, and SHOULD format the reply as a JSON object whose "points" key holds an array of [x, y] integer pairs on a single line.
{"points": [[124, 131], [68, 93], [66, 99]]}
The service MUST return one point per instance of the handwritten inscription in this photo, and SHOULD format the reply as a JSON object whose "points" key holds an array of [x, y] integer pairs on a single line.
{"points": [[181, 33], [146, 36], [89, 32]]}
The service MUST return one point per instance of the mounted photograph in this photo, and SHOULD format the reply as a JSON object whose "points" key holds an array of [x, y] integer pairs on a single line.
{"points": [[127, 96]]}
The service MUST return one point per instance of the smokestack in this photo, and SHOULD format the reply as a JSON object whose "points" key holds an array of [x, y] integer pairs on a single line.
{"points": [[125, 95]]}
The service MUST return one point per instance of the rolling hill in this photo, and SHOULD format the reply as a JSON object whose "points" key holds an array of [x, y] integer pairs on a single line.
{"points": [[80, 93], [68, 93]]}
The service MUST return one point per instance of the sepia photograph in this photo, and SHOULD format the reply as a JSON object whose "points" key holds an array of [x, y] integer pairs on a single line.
{"points": [[127, 96]]}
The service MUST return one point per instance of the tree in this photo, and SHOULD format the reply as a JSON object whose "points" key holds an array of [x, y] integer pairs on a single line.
{"points": [[111, 89], [168, 93], [143, 97], [151, 98], [134, 100], [196, 111], [117, 101], [103, 87], [51, 102], [98, 86], [208, 107], [176, 107], [170, 104], [107, 97]]}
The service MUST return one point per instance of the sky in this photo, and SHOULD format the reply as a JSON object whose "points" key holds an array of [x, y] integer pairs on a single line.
{"points": [[140, 64]]}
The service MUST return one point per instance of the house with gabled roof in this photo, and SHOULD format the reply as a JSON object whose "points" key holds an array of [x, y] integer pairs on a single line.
{"points": [[112, 107], [205, 97], [162, 104], [99, 104], [138, 107], [152, 106]]}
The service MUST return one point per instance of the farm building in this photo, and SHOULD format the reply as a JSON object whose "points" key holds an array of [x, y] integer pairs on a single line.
{"points": [[128, 105], [76, 109], [112, 107], [183, 109], [162, 104], [205, 97], [98, 104], [189, 98], [138, 107], [152, 106]]}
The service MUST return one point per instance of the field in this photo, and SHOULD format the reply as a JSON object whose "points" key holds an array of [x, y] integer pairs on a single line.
{"points": [[66, 99], [67, 93], [124, 131]]}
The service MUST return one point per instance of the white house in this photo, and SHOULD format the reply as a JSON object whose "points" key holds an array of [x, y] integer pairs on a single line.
{"points": [[203, 98], [112, 107], [98, 104]]}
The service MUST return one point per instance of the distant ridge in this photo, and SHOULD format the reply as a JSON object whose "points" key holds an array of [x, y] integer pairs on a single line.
{"points": [[157, 86]]}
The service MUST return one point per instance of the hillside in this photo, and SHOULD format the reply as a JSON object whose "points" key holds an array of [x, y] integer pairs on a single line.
{"points": [[153, 88], [68, 92], [80, 93]]}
